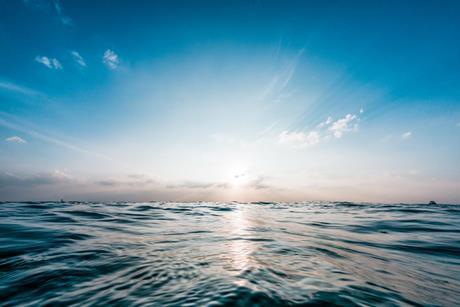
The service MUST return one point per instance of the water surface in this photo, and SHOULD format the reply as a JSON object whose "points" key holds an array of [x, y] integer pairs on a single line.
{"points": [[264, 254]]}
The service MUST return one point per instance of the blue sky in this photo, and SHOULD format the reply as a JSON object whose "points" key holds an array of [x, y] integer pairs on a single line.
{"points": [[250, 100]]}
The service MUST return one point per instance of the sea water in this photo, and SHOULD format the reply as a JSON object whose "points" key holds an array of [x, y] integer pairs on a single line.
{"points": [[267, 254]]}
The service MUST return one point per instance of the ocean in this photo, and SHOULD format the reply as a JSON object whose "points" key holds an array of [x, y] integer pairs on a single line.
{"points": [[229, 254]]}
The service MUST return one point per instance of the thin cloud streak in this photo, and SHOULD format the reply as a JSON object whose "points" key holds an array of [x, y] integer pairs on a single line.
{"points": [[12, 87], [52, 7], [274, 89], [51, 140], [16, 139], [66, 20], [406, 135], [21, 126], [78, 58]]}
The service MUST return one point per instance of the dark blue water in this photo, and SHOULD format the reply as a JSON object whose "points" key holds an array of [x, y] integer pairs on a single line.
{"points": [[229, 254]]}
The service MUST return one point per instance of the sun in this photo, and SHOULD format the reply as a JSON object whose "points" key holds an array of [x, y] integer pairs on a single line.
{"points": [[237, 175], [239, 179]]}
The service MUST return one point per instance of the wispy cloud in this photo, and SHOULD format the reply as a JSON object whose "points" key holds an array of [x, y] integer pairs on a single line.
{"points": [[24, 127], [16, 139], [110, 59], [21, 127], [51, 63], [78, 58], [12, 87], [323, 131], [277, 85], [42, 5], [299, 139], [406, 135], [343, 125], [52, 7], [66, 20]]}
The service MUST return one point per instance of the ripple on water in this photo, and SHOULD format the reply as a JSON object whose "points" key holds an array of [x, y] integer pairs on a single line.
{"points": [[231, 254]]}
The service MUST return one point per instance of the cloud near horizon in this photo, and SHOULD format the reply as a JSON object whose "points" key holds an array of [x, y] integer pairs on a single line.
{"points": [[54, 177], [43, 185], [256, 183]]}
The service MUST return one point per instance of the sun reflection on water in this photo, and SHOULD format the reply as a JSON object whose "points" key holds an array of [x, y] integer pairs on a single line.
{"points": [[240, 248]]}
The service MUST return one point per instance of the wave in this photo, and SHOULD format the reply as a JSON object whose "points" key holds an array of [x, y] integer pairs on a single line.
{"points": [[229, 254]]}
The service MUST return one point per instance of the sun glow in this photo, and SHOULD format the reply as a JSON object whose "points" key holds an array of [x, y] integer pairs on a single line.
{"points": [[238, 175], [239, 179]]}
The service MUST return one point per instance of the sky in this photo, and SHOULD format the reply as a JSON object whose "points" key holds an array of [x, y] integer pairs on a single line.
{"points": [[230, 100]]}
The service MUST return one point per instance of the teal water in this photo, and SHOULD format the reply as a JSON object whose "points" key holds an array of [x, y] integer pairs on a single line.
{"points": [[267, 254]]}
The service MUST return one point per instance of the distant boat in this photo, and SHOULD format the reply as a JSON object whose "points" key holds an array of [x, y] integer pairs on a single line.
{"points": [[432, 202]]}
